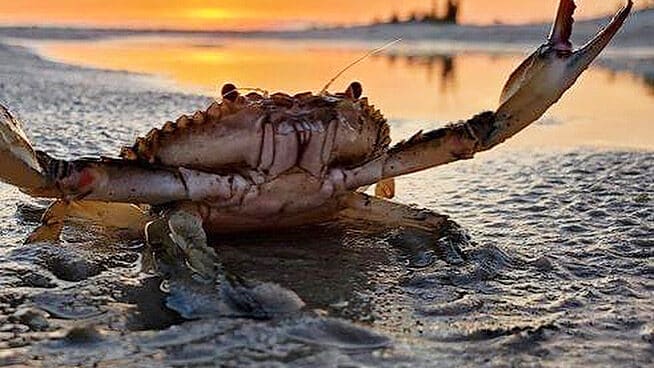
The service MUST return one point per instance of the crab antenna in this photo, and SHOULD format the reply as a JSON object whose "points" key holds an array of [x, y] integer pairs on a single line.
{"points": [[357, 61]]}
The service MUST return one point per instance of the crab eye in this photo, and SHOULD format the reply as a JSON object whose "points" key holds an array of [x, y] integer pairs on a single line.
{"points": [[354, 90], [229, 92]]}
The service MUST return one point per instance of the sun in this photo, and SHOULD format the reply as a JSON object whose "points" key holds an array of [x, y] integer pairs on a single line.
{"points": [[208, 13]]}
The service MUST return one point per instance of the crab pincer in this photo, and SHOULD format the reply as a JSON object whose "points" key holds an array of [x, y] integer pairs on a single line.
{"points": [[535, 85]]}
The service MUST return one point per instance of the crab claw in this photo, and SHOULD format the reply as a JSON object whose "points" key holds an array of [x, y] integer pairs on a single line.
{"points": [[531, 89], [18, 163], [543, 77], [562, 28]]}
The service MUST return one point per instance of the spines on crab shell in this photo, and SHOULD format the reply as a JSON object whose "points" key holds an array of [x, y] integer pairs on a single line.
{"points": [[383, 129], [146, 148]]}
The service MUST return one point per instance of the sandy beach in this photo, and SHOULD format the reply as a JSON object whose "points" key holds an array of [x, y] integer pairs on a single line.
{"points": [[550, 238]]}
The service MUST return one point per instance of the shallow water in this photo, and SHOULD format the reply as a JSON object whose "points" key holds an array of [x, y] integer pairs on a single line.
{"points": [[557, 270], [414, 88]]}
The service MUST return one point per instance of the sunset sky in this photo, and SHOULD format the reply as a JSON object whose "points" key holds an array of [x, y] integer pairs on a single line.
{"points": [[269, 14]]}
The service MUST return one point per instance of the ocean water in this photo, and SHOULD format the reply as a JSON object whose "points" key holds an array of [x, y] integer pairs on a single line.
{"points": [[551, 266]]}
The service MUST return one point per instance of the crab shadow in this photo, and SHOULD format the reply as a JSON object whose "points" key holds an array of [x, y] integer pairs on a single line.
{"points": [[346, 269], [350, 285]]}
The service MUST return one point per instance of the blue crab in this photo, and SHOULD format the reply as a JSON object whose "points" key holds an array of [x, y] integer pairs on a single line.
{"points": [[254, 161]]}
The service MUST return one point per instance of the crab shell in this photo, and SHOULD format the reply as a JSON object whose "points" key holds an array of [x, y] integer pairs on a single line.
{"points": [[272, 135]]}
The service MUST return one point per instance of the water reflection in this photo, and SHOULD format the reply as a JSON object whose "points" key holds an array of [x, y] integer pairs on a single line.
{"points": [[649, 81], [415, 91], [439, 67]]}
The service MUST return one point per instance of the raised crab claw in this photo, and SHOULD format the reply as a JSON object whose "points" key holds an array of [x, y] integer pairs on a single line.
{"points": [[255, 161]]}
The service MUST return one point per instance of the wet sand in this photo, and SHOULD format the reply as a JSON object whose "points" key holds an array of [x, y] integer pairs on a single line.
{"points": [[556, 271]]}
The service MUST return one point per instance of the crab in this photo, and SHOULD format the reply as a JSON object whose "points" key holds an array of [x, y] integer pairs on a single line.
{"points": [[258, 161]]}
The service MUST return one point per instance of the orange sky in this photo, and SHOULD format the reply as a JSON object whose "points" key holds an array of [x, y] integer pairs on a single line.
{"points": [[232, 14]]}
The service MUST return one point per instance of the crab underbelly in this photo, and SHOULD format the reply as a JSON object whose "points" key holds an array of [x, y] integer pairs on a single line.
{"points": [[220, 222], [291, 199]]}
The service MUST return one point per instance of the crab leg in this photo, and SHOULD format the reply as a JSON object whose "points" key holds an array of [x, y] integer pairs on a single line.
{"points": [[532, 88], [443, 235], [105, 180], [119, 216], [114, 180], [360, 206]]}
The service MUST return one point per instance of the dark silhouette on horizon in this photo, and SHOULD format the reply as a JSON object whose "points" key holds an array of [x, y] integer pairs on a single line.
{"points": [[450, 15]]}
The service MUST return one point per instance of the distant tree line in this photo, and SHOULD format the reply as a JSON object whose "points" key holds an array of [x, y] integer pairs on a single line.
{"points": [[449, 16]]}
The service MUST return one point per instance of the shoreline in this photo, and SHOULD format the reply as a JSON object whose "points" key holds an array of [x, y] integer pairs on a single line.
{"points": [[630, 36], [632, 50]]}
